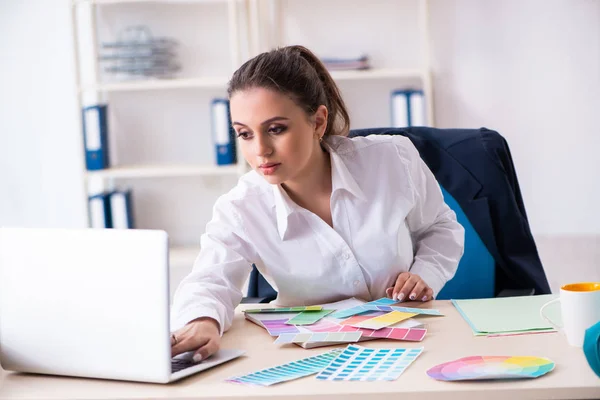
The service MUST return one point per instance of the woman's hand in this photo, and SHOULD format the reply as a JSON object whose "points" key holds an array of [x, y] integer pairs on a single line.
{"points": [[410, 286], [200, 335]]}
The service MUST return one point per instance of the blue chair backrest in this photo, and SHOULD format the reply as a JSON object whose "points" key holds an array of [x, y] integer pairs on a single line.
{"points": [[475, 277]]}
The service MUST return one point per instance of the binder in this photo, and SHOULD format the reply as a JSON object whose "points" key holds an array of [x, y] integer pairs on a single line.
{"points": [[408, 108], [223, 133], [95, 137], [121, 209], [99, 211], [416, 109], [399, 109]]}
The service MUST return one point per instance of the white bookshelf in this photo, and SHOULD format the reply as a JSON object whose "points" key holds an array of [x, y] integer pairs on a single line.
{"points": [[254, 26], [220, 82], [166, 171], [160, 84]]}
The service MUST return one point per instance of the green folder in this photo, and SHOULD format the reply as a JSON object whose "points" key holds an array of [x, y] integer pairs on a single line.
{"points": [[506, 315]]}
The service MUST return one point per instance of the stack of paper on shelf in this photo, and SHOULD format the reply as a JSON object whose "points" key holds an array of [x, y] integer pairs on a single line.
{"points": [[506, 315]]}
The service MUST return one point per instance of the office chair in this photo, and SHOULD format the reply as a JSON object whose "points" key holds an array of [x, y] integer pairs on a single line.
{"points": [[477, 177]]}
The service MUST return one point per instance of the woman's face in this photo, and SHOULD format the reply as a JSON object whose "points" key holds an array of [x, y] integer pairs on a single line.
{"points": [[276, 137]]}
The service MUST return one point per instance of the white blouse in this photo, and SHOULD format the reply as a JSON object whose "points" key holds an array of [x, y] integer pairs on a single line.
{"points": [[388, 217]]}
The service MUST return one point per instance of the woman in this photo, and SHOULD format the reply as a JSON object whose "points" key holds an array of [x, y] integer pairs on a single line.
{"points": [[322, 216]]}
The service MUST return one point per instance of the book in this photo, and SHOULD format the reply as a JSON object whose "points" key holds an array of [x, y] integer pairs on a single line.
{"points": [[121, 209], [408, 108], [223, 133], [99, 211], [95, 137]]}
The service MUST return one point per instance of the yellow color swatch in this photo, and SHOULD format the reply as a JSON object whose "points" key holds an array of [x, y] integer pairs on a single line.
{"points": [[385, 320]]}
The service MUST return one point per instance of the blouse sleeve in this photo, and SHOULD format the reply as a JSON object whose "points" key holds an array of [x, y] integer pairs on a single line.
{"points": [[438, 238], [214, 287]]}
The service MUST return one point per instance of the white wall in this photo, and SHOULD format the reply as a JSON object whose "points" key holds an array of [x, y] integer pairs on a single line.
{"points": [[530, 70], [40, 162]]}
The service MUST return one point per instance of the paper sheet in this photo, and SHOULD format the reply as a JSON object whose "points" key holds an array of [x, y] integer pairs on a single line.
{"points": [[359, 363], [287, 372], [506, 314]]}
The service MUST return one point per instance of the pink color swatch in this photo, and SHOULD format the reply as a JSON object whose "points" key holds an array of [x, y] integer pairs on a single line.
{"points": [[276, 327]]}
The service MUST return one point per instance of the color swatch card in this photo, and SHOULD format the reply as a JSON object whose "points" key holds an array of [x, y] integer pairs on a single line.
{"points": [[383, 304], [276, 327], [355, 319], [406, 334], [419, 311], [308, 317], [289, 371], [359, 309], [491, 367], [359, 363], [385, 320], [338, 337], [324, 325], [283, 310]]}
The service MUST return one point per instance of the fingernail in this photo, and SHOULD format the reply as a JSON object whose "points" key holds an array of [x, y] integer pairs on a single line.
{"points": [[400, 296], [197, 357], [413, 296], [395, 297], [424, 298]]}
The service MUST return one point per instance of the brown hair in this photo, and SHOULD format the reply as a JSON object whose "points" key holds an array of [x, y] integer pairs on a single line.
{"points": [[296, 72]]}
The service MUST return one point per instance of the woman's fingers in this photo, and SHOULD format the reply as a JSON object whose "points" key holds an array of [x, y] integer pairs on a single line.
{"points": [[428, 294], [418, 291], [206, 350], [406, 289], [187, 341], [400, 282], [389, 292]]}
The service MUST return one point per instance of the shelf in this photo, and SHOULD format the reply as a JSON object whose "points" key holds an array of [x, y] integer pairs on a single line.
{"points": [[159, 84], [77, 2], [221, 82], [378, 73], [163, 171]]}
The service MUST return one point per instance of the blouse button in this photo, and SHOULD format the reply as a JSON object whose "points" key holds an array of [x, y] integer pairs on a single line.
{"points": [[346, 256], [356, 283]]}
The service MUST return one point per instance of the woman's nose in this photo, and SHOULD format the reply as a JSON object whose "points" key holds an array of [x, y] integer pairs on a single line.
{"points": [[263, 146]]}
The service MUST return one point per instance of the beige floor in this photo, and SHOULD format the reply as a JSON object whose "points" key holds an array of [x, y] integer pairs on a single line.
{"points": [[568, 259]]}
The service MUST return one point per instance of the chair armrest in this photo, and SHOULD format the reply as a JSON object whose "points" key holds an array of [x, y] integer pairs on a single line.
{"points": [[516, 292]]}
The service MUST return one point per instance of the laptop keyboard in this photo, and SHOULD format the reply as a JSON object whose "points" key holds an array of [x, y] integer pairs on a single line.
{"points": [[177, 364]]}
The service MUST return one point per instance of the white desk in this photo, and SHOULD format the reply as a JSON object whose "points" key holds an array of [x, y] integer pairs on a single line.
{"points": [[447, 338]]}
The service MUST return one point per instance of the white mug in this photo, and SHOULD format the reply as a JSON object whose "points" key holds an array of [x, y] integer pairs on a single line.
{"points": [[580, 309]]}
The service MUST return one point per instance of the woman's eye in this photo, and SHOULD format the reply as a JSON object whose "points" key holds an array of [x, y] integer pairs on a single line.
{"points": [[277, 129], [243, 135]]}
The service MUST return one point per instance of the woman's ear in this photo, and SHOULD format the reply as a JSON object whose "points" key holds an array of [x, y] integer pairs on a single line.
{"points": [[320, 118]]}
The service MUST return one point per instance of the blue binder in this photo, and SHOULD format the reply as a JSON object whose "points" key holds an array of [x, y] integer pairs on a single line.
{"points": [[121, 214], [99, 211], [222, 132], [95, 137], [399, 109], [408, 108]]}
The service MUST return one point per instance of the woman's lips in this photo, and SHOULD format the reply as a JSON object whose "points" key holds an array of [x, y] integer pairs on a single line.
{"points": [[269, 168]]}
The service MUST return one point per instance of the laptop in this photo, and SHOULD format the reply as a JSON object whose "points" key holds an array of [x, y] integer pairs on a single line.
{"points": [[90, 303]]}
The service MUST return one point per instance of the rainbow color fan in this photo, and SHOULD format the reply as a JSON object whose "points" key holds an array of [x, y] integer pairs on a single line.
{"points": [[491, 367]]}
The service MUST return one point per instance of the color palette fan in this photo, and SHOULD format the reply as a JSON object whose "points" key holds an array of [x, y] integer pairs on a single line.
{"points": [[491, 367]]}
